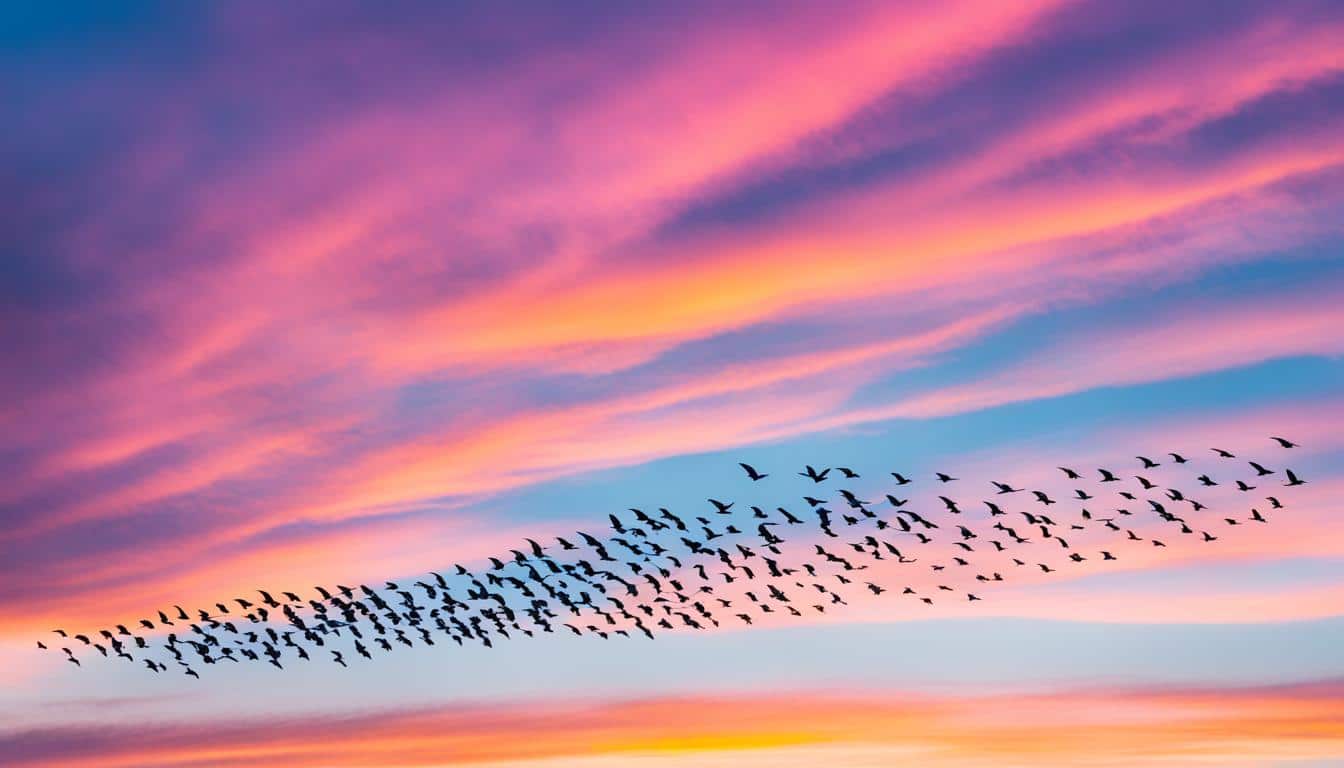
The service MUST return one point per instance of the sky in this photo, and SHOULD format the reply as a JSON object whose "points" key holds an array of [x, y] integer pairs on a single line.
{"points": [[337, 291]]}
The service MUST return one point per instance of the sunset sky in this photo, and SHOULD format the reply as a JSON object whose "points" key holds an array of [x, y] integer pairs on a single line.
{"points": [[300, 293]]}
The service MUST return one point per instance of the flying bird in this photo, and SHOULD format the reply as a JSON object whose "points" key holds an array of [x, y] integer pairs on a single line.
{"points": [[751, 471]]}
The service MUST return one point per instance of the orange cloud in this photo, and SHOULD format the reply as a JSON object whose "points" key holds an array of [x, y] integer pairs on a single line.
{"points": [[1123, 727]]}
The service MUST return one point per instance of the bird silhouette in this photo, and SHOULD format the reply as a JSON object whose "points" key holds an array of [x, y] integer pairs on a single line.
{"points": [[751, 472]]}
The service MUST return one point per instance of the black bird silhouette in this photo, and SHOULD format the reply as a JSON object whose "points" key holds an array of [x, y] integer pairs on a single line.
{"points": [[751, 471], [1292, 478], [1147, 462], [900, 479], [847, 472], [1071, 474], [1260, 471], [1004, 487], [1284, 442], [943, 477], [815, 476], [1223, 453], [1178, 458]]}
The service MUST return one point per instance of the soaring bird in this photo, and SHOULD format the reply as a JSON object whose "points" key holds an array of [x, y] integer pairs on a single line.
{"points": [[1147, 462], [1004, 487], [1292, 478], [944, 477], [1260, 471], [900, 479], [751, 471], [1071, 474], [1223, 453], [815, 476], [1284, 442]]}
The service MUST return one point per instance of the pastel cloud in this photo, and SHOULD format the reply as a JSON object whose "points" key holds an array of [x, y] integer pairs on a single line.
{"points": [[1232, 726]]}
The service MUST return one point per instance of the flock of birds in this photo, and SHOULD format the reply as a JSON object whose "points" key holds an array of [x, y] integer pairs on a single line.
{"points": [[659, 571]]}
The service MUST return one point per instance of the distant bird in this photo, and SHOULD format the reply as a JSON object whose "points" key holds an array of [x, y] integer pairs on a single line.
{"points": [[1071, 474], [848, 473], [1223, 453], [1284, 442], [1260, 471], [1292, 478], [943, 477], [815, 476], [1178, 458], [900, 479], [1004, 487], [1147, 462], [751, 471]]}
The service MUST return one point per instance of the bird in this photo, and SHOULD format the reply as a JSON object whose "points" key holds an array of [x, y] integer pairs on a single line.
{"points": [[751, 471], [1292, 478], [901, 479], [944, 477], [1224, 454], [1260, 471], [815, 476], [1284, 442], [1147, 462], [1004, 487]]}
